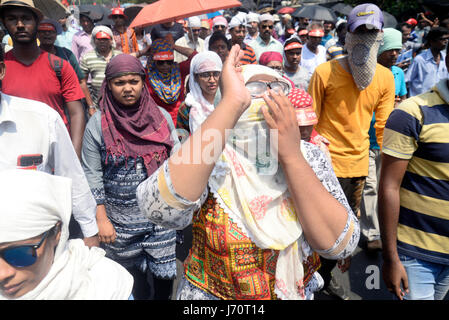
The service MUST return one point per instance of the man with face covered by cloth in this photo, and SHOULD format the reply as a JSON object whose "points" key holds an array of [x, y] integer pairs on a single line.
{"points": [[346, 92]]}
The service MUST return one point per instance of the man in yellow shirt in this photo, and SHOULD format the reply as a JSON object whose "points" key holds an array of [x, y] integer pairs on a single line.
{"points": [[346, 92]]}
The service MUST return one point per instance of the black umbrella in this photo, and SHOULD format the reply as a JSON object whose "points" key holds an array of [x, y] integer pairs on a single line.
{"points": [[343, 8], [132, 11], [389, 20], [249, 5], [315, 12], [95, 13]]}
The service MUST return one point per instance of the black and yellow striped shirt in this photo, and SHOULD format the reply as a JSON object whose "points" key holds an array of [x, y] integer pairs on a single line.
{"points": [[418, 130]]}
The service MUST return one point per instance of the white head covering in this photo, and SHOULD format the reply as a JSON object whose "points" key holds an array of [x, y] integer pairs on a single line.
{"points": [[31, 203], [237, 20], [104, 29], [205, 61], [266, 17], [252, 17], [259, 203], [194, 22]]}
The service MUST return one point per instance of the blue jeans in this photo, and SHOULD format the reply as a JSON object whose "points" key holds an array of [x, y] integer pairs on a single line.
{"points": [[426, 280]]}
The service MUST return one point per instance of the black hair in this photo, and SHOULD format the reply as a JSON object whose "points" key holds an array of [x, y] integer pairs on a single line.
{"points": [[2, 53], [341, 26], [436, 33], [219, 36]]}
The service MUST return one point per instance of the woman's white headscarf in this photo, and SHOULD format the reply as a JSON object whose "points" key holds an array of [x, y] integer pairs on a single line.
{"points": [[31, 203], [200, 108], [252, 190]]}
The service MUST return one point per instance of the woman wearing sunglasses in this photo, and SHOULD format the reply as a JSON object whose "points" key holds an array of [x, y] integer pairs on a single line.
{"points": [[260, 216], [37, 261], [167, 78], [205, 71]]}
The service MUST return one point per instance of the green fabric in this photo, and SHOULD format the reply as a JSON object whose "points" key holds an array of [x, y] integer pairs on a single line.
{"points": [[392, 40]]}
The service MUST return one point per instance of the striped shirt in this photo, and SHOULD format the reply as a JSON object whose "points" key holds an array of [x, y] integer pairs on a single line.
{"points": [[94, 64], [249, 56], [418, 131]]}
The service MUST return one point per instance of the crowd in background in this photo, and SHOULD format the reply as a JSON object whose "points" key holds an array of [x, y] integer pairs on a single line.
{"points": [[125, 99]]}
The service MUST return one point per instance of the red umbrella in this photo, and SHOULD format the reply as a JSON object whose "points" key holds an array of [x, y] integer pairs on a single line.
{"points": [[170, 10], [286, 10]]}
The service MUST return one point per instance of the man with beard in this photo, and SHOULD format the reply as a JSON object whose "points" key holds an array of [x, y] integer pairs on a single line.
{"points": [[191, 39], [265, 41], [31, 75], [94, 63], [346, 92], [237, 30], [252, 26]]}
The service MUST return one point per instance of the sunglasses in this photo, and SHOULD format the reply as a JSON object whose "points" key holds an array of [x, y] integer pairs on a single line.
{"points": [[207, 75], [24, 255], [266, 27], [162, 62], [258, 88], [219, 27]]}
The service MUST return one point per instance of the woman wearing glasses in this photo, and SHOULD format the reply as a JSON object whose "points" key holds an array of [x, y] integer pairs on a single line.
{"points": [[166, 78], [205, 70], [37, 261], [260, 215], [122, 145]]}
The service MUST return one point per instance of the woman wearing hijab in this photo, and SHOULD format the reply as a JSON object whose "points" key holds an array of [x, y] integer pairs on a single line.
{"points": [[205, 70], [257, 232], [123, 144], [37, 261], [166, 79]]}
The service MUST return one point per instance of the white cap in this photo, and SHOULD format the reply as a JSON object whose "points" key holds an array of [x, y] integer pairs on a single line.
{"points": [[266, 17], [194, 22], [252, 17], [237, 20]]}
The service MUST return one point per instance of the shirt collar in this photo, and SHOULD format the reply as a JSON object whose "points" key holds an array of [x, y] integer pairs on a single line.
{"points": [[5, 110], [263, 42]]}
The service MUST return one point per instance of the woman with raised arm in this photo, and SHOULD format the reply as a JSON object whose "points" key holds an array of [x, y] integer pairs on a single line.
{"points": [[261, 216]]}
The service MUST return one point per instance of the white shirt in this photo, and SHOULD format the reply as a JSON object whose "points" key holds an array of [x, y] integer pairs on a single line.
{"points": [[310, 60], [186, 42], [30, 127]]}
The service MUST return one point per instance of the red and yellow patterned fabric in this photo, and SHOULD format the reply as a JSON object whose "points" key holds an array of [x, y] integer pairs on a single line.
{"points": [[226, 263]]}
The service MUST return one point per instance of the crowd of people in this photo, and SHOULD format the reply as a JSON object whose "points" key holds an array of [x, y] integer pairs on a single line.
{"points": [[129, 138]]}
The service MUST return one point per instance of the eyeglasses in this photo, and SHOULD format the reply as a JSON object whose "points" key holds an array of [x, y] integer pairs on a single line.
{"points": [[258, 88], [24, 255], [207, 75], [195, 30], [266, 27], [162, 62], [219, 27]]}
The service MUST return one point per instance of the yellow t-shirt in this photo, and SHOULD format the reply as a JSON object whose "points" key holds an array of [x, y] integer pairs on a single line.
{"points": [[345, 113]]}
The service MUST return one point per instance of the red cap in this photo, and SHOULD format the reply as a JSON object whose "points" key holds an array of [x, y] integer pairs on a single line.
{"points": [[412, 22], [117, 12], [102, 35]]}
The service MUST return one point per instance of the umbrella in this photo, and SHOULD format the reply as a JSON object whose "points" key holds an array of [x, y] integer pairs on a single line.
{"points": [[168, 10], [132, 11], [286, 10], [343, 8], [52, 9], [95, 13], [389, 20], [249, 5], [315, 12]]}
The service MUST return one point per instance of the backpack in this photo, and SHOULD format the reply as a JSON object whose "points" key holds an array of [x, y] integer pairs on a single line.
{"points": [[56, 63]]}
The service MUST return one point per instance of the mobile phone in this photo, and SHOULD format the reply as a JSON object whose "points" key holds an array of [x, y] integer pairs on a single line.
{"points": [[29, 160]]}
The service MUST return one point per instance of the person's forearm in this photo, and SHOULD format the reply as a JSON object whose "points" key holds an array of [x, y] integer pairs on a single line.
{"points": [[77, 125], [184, 50], [101, 213], [86, 92], [388, 211], [190, 164], [322, 217]]}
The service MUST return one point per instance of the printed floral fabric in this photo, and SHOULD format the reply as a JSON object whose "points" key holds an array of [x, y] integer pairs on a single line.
{"points": [[163, 206]]}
